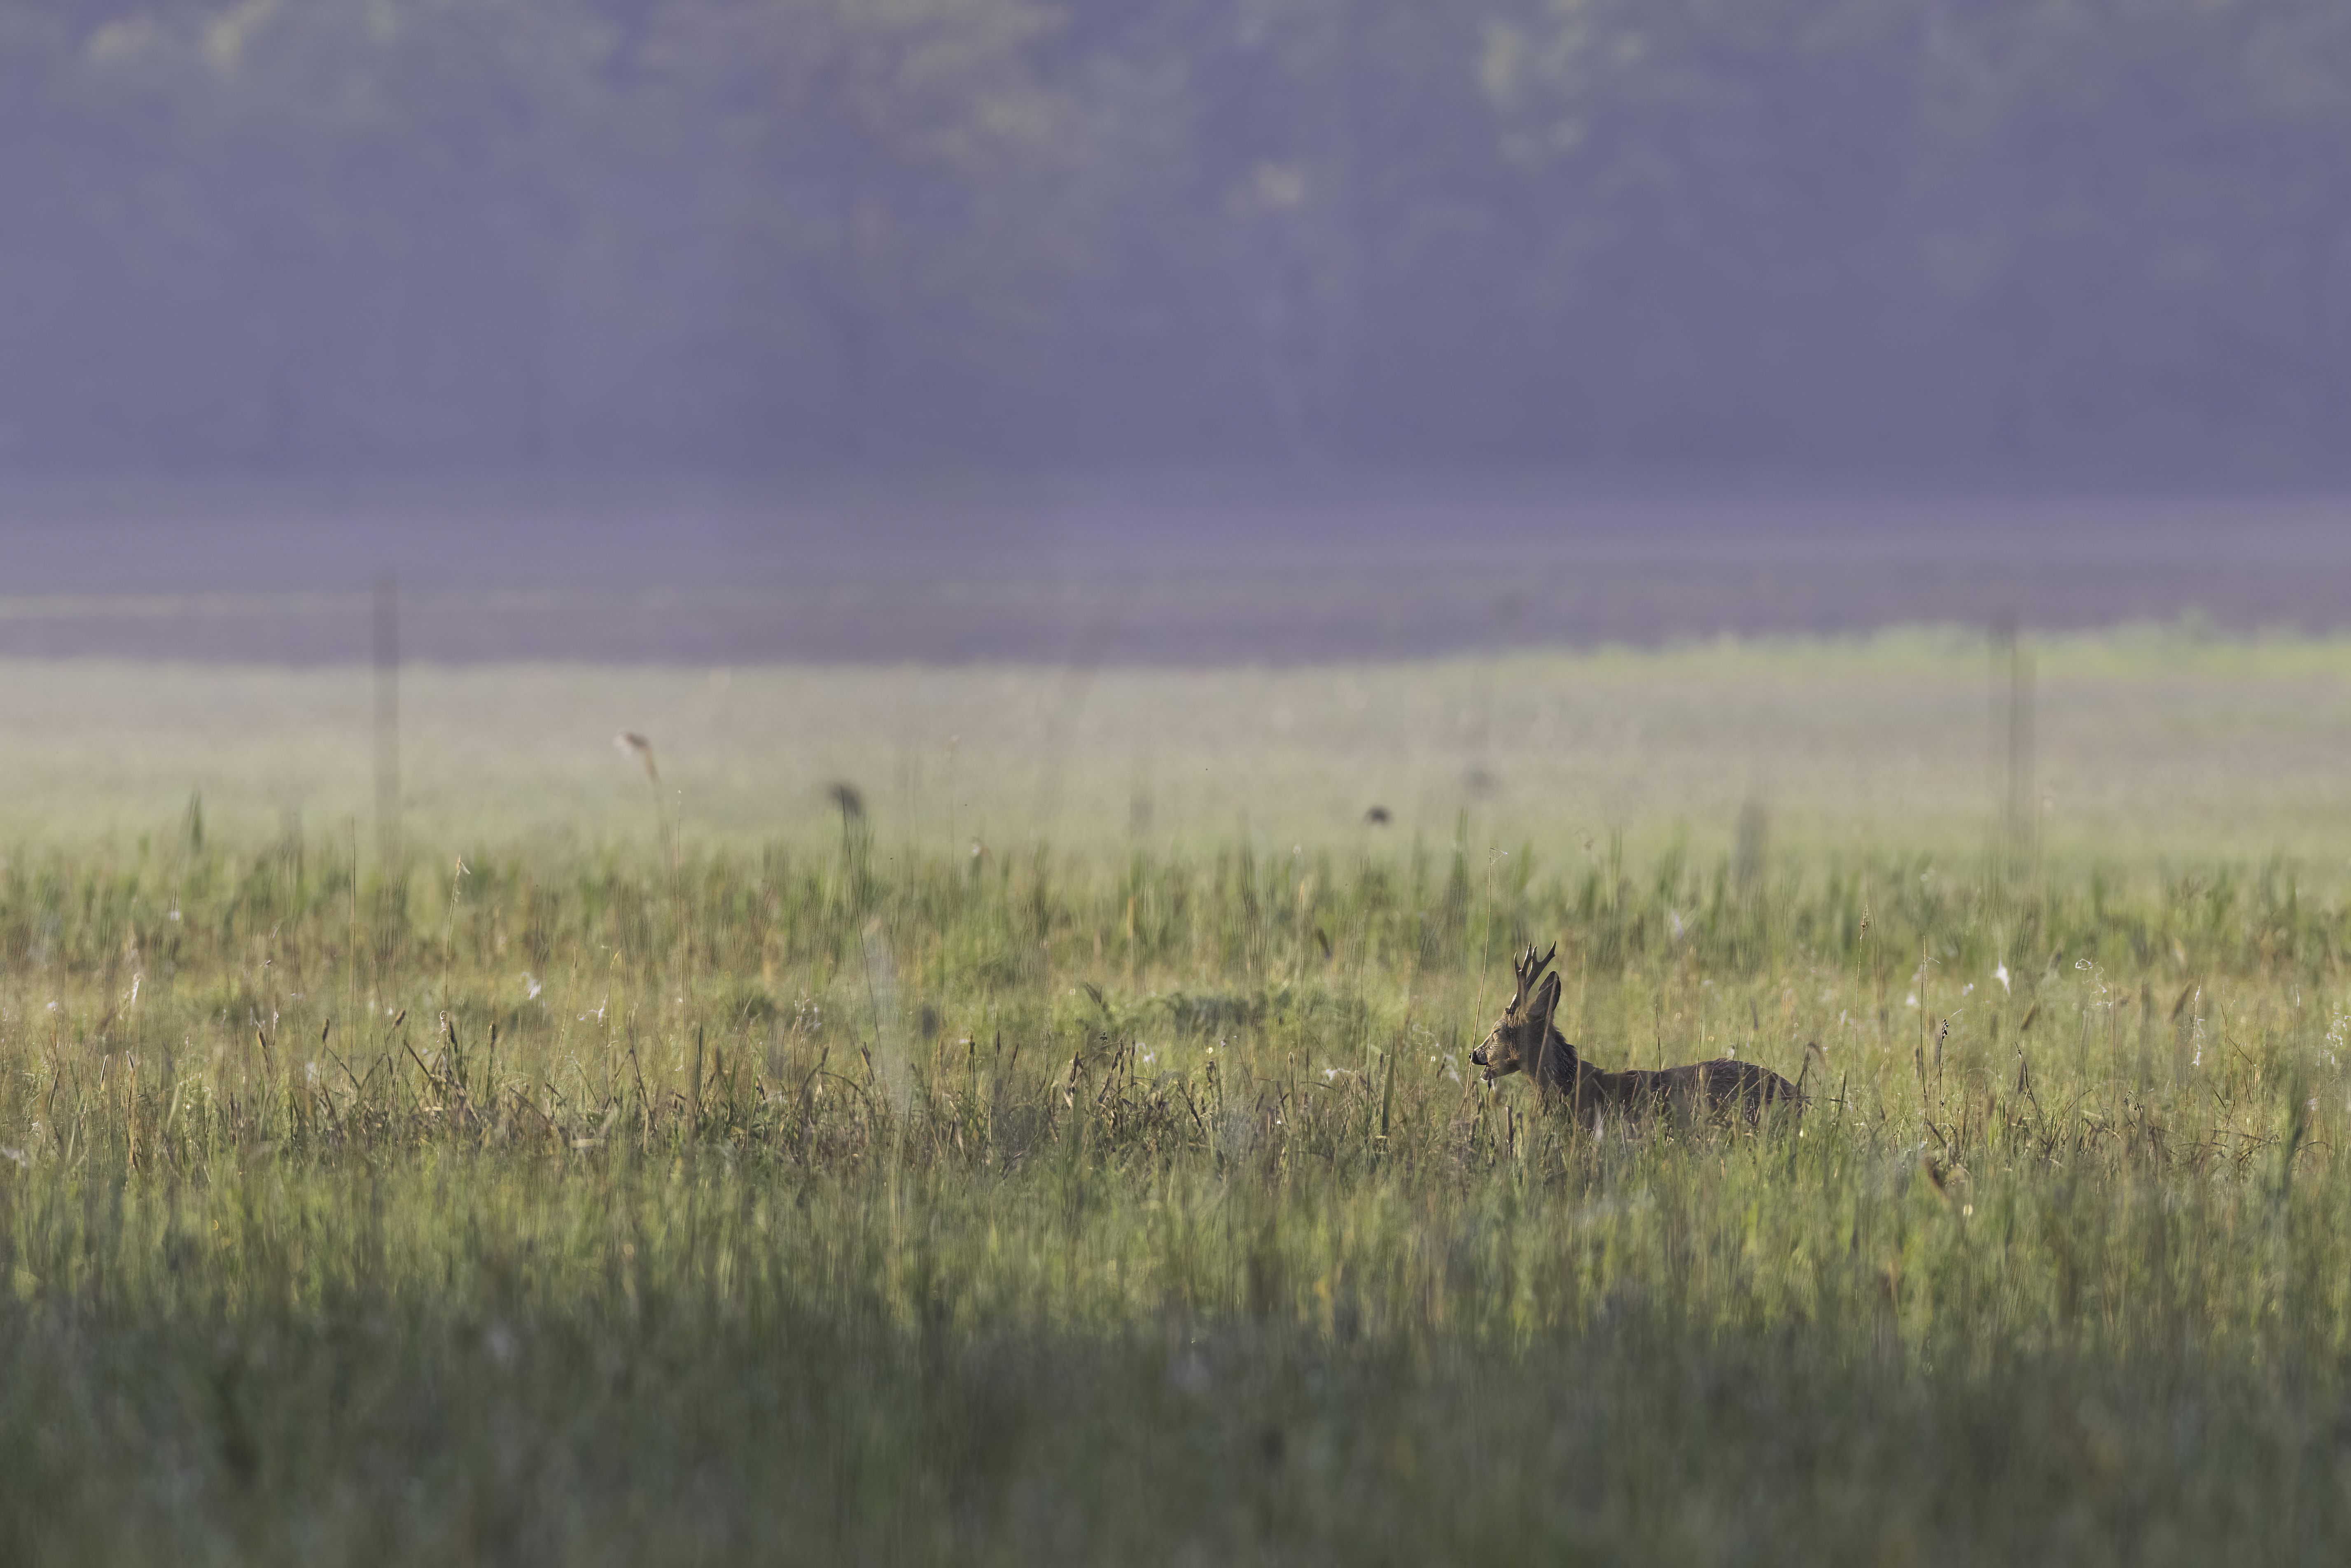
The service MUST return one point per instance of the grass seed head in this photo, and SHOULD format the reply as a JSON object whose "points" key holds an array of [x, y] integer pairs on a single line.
{"points": [[629, 742]]}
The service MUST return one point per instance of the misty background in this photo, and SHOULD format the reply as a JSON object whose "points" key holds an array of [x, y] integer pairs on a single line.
{"points": [[1163, 329]]}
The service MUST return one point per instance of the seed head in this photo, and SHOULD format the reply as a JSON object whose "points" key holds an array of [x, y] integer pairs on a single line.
{"points": [[629, 741]]}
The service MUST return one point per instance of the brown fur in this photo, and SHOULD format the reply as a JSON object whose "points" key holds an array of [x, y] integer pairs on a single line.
{"points": [[1526, 1039]]}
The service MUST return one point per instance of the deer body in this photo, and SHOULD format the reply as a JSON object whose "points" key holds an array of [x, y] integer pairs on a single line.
{"points": [[1526, 1039]]}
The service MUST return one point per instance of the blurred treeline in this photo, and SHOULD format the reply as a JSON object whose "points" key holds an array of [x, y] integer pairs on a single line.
{"points": [[1884, 237]]}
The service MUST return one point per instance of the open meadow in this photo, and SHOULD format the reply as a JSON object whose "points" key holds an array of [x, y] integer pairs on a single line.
{"points": [[1060, 1144]]}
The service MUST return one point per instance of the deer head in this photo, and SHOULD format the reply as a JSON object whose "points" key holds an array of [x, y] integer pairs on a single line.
{"points": [[1518, 1035]]}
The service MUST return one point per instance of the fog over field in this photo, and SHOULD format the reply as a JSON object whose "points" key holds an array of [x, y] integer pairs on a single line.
{"points": [[1203, 572], [739, 330]]}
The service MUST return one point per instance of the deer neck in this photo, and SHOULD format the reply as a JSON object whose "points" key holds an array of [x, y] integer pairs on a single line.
{"points": [[1562, 1068]]}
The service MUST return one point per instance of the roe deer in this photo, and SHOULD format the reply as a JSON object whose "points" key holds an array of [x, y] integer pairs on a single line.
{"points": [[1525, 1038]]}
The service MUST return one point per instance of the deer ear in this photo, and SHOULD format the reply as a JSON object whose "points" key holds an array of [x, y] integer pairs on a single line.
{"points": [[1546, 998]]}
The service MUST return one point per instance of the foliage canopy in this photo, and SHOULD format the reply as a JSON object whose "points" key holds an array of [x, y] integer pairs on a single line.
{"points": [[1877, 236]]}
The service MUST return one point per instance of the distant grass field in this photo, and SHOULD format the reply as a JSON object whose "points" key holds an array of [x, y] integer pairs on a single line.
{"points": [[792, 1184], [2152, 741]]}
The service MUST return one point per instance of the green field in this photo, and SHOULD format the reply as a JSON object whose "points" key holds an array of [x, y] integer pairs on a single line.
{"points": [[1074, 1155]]}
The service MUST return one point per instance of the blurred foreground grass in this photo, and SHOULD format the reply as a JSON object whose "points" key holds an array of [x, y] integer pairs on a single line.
{"points": [[832, 1200]]}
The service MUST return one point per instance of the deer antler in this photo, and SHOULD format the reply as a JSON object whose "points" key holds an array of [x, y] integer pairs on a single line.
{"points": [[1529, 969]]}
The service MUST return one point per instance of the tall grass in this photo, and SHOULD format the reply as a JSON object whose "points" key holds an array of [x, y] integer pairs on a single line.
{"points": [[847, 1206]]}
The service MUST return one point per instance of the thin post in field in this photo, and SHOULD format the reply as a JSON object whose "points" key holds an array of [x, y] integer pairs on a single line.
{"points": [[2013, 698], [387, 717]]}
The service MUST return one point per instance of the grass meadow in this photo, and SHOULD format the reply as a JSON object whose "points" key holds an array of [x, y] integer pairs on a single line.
{"points": [[1071, 1153]]}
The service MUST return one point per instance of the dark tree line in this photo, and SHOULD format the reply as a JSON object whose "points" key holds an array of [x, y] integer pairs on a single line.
{"points": [[1882, 238]]}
